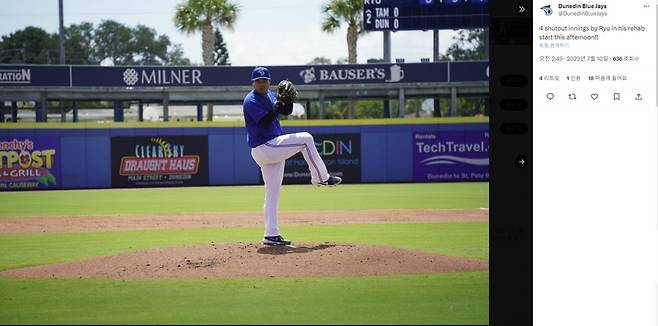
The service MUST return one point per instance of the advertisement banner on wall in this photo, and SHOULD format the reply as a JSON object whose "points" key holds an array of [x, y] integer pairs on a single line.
{"points": [[29, 163], [451, 155], [341, 154], [159, 161]]}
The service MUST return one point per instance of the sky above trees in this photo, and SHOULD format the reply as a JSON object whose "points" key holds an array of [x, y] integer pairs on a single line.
{"points": [[266, 32]]}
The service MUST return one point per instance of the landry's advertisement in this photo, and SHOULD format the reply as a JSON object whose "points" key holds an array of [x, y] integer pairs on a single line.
{"points": [[451, 155], [29, 163], [159, 161], [341, 154]]}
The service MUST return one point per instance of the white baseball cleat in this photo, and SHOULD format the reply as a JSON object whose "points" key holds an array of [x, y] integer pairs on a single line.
{"points": [[332, 181], [276, 241]]}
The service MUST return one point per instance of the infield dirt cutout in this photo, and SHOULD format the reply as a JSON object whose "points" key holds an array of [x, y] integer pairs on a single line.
{"points": [[49, 224], [235, 260]]}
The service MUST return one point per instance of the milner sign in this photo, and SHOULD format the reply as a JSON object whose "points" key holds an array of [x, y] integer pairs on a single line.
{"points": [[162, 77]]}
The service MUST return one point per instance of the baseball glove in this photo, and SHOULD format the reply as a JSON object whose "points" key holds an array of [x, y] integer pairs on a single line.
{"points": [[286, 92]]}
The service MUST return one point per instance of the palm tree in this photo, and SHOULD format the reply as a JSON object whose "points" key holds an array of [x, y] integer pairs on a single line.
{"points": [[350, 12], [206, 15]]}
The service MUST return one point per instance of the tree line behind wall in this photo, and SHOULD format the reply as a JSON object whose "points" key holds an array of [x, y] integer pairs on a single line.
{"points": [[109, 42]]}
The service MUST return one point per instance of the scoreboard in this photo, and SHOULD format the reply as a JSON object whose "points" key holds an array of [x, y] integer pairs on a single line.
{"points": [[399, 15]]}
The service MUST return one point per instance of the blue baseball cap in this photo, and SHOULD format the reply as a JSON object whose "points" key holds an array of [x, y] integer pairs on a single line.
{"points": [[260, 73]]}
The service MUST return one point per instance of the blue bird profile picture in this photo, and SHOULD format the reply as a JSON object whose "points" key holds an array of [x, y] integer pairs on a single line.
{"points": [[547, 10]]}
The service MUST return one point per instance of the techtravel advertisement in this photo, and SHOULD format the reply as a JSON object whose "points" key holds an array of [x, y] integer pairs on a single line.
{"points": [[461, 155]]}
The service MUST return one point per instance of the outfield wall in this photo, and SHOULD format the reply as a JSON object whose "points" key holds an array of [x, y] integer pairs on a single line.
{"points": [[93, 155]]}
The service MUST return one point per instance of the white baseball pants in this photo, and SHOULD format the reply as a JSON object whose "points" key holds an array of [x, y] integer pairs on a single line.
{"points": [[271, 157]]}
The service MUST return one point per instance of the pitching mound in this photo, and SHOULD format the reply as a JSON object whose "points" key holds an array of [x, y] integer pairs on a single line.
{"points": [[233, 260]]}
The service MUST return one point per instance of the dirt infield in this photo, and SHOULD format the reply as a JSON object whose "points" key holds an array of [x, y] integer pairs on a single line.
{"points": [[235, 219], [234, 260]]}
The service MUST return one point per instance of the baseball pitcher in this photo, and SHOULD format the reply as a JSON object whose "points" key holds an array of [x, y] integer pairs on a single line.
{"points": [[270, 147]]}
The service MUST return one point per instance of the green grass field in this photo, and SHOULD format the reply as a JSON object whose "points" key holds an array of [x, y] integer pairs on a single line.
{"points": [[454, 298], [242, 198]]}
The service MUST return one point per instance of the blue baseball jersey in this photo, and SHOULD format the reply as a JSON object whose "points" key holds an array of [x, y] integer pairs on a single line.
{"points": [[255, 106]]}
